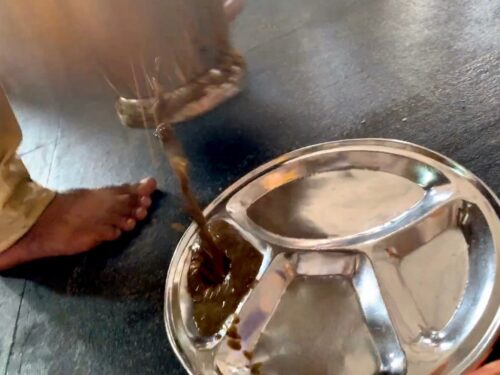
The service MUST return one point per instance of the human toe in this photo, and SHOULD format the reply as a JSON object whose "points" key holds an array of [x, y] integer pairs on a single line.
{"points": [[141, 213], [145, 201], [111, 233], [126, 224], [146, 186]]}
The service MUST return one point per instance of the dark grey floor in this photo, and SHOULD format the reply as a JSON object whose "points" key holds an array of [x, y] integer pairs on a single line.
{"points": [[319, 70]]}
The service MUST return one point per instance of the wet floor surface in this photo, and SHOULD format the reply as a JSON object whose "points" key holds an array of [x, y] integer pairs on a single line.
{"points": [[319, 70]]}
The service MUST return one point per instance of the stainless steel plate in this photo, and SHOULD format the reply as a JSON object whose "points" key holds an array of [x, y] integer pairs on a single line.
{"points": [[379, 257]]}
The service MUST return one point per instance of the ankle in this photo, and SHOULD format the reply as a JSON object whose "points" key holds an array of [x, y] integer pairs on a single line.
{"points": [[22, 251]]}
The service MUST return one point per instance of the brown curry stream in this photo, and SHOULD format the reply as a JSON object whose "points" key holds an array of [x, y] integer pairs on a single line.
{"points": [[225, 265]]}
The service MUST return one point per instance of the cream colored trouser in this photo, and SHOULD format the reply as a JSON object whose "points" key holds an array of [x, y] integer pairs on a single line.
{"points": [[22, 201]]}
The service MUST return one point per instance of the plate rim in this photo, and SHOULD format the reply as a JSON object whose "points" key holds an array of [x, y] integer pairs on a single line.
{"points": [[470, 361]]}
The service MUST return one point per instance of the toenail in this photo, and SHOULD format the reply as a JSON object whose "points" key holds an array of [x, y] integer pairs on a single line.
{"points": [[141, 213], [130, 223], [145, 201]]}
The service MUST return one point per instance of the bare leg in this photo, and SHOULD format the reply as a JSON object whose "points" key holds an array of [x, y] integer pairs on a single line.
{"points": [[79, 220]]}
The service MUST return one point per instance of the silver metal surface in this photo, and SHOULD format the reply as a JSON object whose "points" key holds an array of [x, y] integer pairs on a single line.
{"points": [[379, 257]]}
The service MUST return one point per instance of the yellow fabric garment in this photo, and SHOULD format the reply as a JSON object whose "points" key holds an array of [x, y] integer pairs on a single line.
{"points": [[22, 201]]}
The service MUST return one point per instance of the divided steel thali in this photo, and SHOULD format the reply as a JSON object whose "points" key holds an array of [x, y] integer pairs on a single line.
{"points": [[378, 256]]}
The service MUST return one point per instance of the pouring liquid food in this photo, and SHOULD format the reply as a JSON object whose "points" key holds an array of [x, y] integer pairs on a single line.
{"points": [[223, 265]]}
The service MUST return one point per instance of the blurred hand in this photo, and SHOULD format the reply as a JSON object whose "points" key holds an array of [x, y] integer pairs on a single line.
{"points": [[492, 368], [232, 8]]}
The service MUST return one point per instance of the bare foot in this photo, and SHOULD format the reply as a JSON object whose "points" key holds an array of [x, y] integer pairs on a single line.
{"points": [[79, 220]]}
